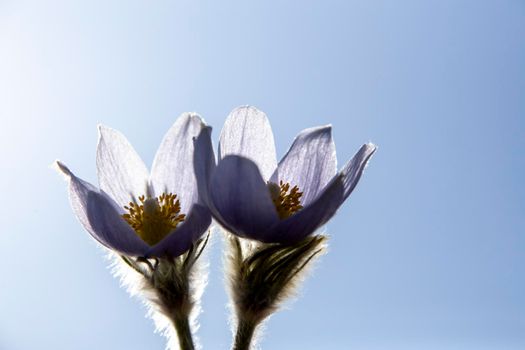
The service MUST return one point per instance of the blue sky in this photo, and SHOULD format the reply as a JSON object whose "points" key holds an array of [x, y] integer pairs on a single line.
{"points": [[429, 251]]}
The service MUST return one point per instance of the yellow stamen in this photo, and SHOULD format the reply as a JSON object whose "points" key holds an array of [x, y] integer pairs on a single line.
{"points": [[286, 201], [154, 217]]}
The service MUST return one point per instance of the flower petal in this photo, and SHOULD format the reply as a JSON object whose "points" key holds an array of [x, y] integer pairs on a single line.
{"points": [[203, 163], [99, 216], [78, 192], [111, 227], [172, 169], [121, 172], [181, 239], [352, 171], [240, 196], [308, 219], [320, 210], [247, 132], [310, 163]]}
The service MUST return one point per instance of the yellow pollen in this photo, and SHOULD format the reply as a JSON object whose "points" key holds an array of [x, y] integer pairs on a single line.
{"points": [[287, 201], [154, 217]]}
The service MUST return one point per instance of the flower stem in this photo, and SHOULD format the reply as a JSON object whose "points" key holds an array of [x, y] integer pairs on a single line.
{"points": [[244, 336], [182, 326]]}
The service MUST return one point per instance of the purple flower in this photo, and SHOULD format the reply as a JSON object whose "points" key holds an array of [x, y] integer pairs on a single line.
{"points": [[140, 214], [254, 197]]}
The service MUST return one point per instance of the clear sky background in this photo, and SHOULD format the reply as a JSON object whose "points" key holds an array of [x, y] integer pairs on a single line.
{"points": [[429, 251]]}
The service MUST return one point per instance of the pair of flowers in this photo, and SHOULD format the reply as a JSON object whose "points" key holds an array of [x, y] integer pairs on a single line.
{"points": [[245, 192], [159, 218]]}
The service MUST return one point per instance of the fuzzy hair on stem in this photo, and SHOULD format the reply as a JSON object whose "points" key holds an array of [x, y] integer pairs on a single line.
{"points": [[262, 276], [171, 289]]}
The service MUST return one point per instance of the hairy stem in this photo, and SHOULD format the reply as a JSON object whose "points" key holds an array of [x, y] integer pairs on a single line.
{"points": [[182, 326], [244, 336]]}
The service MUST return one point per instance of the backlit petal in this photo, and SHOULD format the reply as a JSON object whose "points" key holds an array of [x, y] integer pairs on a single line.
{"points": [[310, 163], [121, 172], [321, 209], [99, 216], [308, 219], [352, 171], [172, 169], [247, 133]]}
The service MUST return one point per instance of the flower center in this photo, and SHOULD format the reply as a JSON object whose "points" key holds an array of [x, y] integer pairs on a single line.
{"points": [[154, 217], [287, 201]]}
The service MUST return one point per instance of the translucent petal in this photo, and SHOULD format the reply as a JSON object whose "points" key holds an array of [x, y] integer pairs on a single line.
{"points": [[247, 133], [173, 169], [352, 171], [121, 172], [100, 217], [321, 209], [310, 163]]}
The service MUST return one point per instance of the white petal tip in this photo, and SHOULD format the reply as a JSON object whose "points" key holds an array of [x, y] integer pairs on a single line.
{"points": [[248, 112], [327, 127], [370, 150], [62, 169], [247, 108], [372, 147], [192, 117], [102, 129], [196, 116]]}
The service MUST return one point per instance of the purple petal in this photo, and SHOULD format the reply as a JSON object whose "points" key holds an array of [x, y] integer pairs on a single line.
{"points": [[99, 216], [181, 239], [111, 227], [172, 169], [310, 162], [352, 171], [241, 198], [78, 193], [247, 133], [121, 172], [203, 163], [319, 211], [308, 219]]}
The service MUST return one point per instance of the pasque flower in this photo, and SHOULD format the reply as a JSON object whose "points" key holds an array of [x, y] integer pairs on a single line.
{"points": [[138, 214], [153, 222], [277, 207], [254, 197]]}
